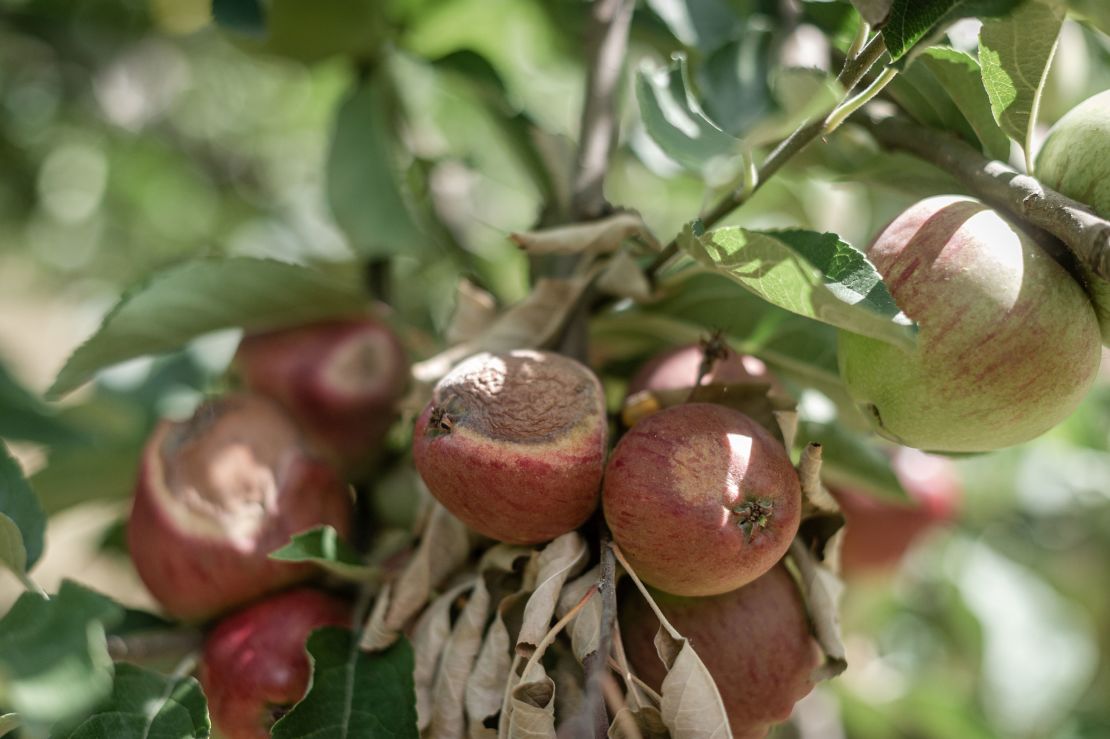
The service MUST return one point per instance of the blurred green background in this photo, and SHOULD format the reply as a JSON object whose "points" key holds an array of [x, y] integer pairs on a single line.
{"points": [[136, 133]]}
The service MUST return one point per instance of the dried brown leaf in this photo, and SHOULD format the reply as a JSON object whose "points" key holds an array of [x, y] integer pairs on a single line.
{"points": [[448, 717], [532, 713], [643, 723], [822, 590], [562, 558], [624, 277], [475, 310], [485, 692], [444, 547], [602, 236], [817, 497], [585, 629], [429, 636]]}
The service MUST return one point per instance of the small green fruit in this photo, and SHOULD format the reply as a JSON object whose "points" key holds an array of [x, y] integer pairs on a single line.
{"points": [[1008, 343], [1075, 161]]}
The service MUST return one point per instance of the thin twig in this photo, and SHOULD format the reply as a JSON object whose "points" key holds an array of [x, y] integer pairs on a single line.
{"points": [[153, 645], [854, 70], [1083, 232]]}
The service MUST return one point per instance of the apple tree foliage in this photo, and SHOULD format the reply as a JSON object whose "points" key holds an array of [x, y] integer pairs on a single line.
{"points": [[288, 163]]}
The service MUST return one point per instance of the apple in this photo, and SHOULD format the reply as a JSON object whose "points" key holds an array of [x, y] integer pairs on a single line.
{"points": [[216, 494], [1075, 161], [701, 499], [1008, 342], [755, 641], [339, 379], [678, 368], [254, 666], [877, 533], [514, 444]]}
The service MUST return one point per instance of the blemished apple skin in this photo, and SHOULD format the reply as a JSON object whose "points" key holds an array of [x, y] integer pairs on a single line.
{"points": [[1008, 342], [216, 495], [755, 641], [254, 665], [674, 488], [877, 533], [339, 379], [1075, 160], [514, 444], [678, 368]]}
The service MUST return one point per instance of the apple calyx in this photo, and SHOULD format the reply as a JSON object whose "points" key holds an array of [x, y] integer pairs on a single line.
{"points": [[754, 514]]}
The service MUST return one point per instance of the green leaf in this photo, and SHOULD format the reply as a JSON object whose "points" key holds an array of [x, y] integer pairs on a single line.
{"points": [[910, 21], [9, 722], [54, 662], [242, 16], [354, 693], [22, 522], [808, 273], [364, 183], [675, 121], [146, 704], [1095, 13], [104, 471], [323, 546], [1015, 53], [705, 25], [848, 460], [195, 298], [735, 80], [23, 416], [959, 74]]}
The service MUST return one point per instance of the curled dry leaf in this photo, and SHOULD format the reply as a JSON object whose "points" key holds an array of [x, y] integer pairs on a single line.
{"points": [[821, 589], [817, 497], [443, 548], [455, 665], [475, 310], [532, 710], [585, 629], [691, 705], [485, 691], [786, 421], [428, 639], [534, 322], [624, 278], [643, 723], [602, 236], [562, 558]]}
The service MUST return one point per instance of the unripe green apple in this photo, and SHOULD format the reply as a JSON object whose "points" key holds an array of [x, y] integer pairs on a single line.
{"points": [[701, 499], [755, 642], [1075, 160], [514, 444], [254, 665], [216, 495], [340, 380], [1008, 342]]}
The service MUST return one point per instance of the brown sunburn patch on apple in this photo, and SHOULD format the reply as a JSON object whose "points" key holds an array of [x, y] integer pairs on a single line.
{"points": [[221, 469], [359, 366], [522, 397]]}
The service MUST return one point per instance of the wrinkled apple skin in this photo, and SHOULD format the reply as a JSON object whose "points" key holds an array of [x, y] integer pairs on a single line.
{"points": [[340, 380], [514, 444], [877, 533], [1075, 160], [1008, 342], [678, 368], [216, 494], [254, 664], [755, 642], [671, 490]]}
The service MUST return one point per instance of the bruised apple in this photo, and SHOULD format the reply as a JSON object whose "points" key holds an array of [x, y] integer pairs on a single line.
{"points": [[755, 642], [254, 666], [701, 499], [877, 533], [216, 494], [1008, 342], [514, 444], [339, 379]]}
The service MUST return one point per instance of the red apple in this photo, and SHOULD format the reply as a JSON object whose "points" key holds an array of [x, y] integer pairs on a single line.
{"points": [[216, 494], [514, 444], [877, 533], [701, 499], [679, 368], [755, 642], [254, 666], [339, 379]]}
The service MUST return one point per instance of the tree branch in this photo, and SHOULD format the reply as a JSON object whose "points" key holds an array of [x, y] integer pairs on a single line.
{"points": [[1084, 233], [850, 76]]}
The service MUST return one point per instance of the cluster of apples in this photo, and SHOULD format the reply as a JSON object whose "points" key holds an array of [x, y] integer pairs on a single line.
{"points": [[219, 492]]}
